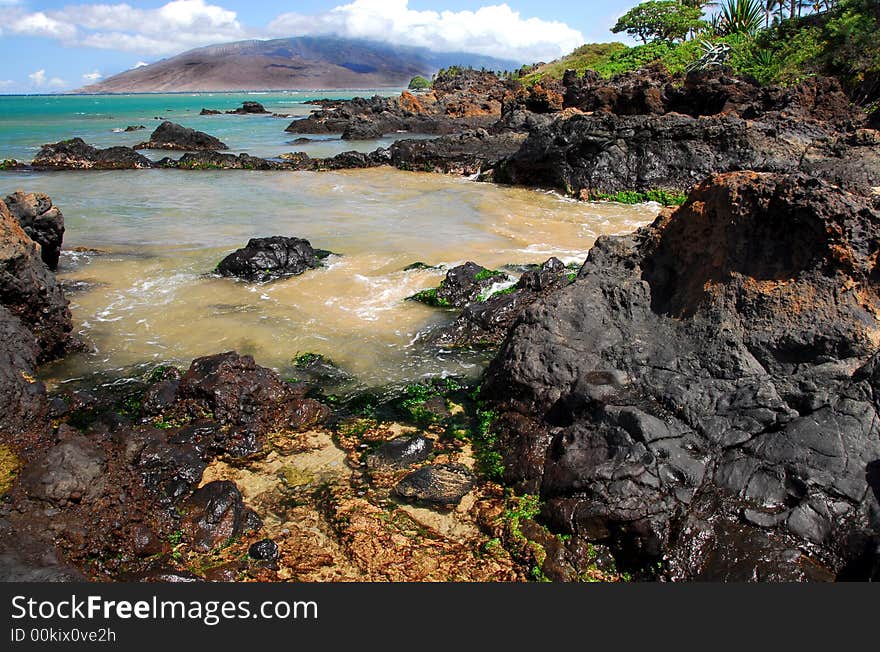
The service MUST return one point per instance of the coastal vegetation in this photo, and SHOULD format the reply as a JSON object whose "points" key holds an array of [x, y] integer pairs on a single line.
{"points": [[770, 41]]}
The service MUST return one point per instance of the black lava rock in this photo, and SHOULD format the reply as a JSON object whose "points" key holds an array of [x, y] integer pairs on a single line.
{"points": [[264, 550], [169, 135], [269, 259], [401, 452], [442, 485]]}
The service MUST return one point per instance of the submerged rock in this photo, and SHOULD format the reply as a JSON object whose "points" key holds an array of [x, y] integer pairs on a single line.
{"points": [[442, 485], [463, 285], [42, 221], [730, 349], [269, 259], [218, 161], [169, 135], [76, 154], [401, 452]]}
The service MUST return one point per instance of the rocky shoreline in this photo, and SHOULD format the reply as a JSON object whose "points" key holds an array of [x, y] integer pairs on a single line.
{"points": [[697, 401], [587, 138]]}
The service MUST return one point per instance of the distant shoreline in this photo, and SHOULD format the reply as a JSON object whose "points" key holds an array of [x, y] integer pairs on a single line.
{"points": [[251, 92]]}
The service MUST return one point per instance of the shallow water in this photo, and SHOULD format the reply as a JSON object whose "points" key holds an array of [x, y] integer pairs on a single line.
{"points": [[150, 297]]}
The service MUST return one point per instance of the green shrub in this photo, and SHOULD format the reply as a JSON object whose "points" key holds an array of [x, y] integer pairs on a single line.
{"points": [[634, 58], [419, 83]]}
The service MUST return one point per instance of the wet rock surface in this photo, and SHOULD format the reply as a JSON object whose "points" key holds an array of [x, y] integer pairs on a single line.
{"points": [[727, 349], [169, 135], [215, 514], [264, 550], [463, 285], [41, 220], [269, 259], [401, 452], [76, 154], [485, 323], [249, 401], [218, 161], [442, 485]]}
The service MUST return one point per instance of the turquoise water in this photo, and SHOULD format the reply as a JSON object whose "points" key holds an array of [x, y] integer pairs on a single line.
{"points": [[28, 122], [142, 291]]}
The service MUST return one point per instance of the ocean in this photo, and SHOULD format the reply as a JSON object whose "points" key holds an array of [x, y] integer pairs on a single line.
{"points": [[141, 244]]}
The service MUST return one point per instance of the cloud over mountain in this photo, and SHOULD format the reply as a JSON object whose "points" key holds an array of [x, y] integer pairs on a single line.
{"points": [[179, 25]]}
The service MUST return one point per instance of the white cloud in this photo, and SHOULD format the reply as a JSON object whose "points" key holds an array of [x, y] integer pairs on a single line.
{"points": [[140, 64], [176, 26], [92, 77], [39, 79], [41, 24], [495, 30], [179, 25], [6, 83]]}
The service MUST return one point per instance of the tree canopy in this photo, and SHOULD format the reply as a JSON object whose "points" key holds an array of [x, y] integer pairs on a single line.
{"points": [[664, 20]]}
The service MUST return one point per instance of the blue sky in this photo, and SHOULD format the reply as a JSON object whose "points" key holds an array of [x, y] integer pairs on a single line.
{"points": [[57, 45]]}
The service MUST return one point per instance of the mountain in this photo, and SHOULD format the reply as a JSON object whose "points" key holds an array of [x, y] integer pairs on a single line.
{"points": [[300, 63]]}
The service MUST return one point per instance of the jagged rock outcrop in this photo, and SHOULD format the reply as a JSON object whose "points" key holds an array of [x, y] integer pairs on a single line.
{"points": [[29, 291], [605, 153], [704, 394], [76, 154], [35, 323], [41, 220], [654, 91], [247, 400], [169, 135], [458, 101], [467, 153], [486, 323]]}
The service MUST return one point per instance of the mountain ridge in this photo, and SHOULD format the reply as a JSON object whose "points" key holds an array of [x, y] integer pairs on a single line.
{"points": [[297, 63]]}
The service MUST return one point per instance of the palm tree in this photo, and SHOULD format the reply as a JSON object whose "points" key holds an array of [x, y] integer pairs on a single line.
{"points": [[769, 6]]}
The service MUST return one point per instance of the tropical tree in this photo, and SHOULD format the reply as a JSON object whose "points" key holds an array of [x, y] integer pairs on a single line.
{"points": [[664, 20]]}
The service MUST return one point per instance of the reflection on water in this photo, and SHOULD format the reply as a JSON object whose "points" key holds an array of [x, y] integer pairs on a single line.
{"points": [[149, 295]]}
